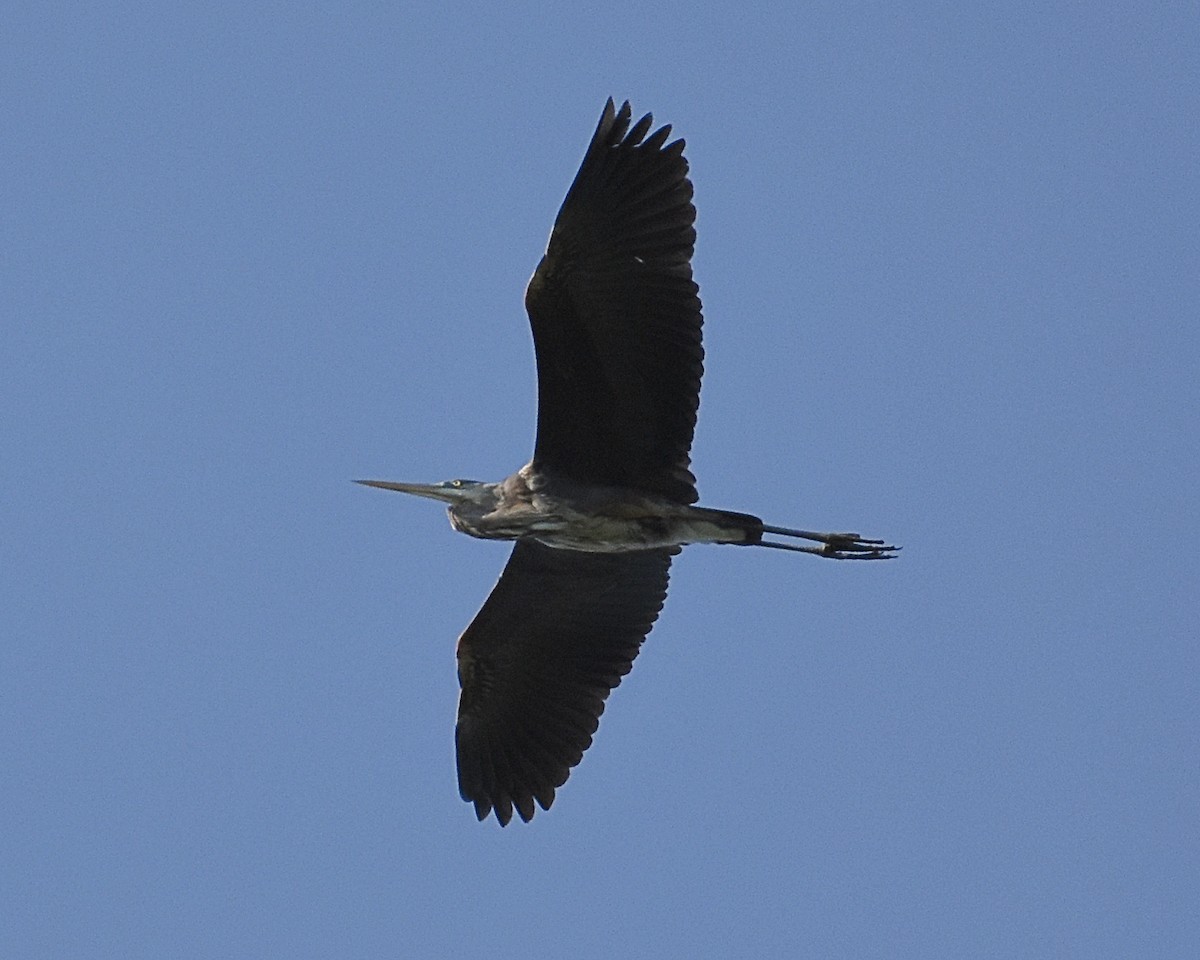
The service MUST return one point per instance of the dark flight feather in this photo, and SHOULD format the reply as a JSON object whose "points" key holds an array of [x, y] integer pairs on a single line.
{"points": [[616, 318], [558, 632]]}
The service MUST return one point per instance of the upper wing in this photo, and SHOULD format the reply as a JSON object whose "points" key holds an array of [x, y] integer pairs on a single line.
{"points": [[616, 317], [559, 631]]}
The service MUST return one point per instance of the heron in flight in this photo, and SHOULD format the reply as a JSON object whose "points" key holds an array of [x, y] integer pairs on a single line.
{"points": [[607, 499]]}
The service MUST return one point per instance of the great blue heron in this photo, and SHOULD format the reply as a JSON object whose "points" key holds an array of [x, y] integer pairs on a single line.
{"points": [[606, 501]]}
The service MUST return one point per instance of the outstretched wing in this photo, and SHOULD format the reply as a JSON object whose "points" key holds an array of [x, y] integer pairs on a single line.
{"points": [[616, 317], [559, 631]]}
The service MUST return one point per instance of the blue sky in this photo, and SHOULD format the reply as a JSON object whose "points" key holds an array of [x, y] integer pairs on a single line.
{"points": [[947, 255]]}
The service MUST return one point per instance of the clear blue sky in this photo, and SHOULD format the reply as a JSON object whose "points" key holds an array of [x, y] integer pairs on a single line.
{"points": [[948, 257]]}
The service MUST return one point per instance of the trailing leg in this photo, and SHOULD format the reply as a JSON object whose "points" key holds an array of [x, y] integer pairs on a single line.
{"points": [[835, 546]]}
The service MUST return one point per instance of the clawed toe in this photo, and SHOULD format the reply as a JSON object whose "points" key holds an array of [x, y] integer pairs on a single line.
{"points": [[850, 546], [835, 546]]}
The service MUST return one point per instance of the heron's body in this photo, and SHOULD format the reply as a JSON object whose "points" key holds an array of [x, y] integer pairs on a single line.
{"points": [[594, 519], [608, 498]]}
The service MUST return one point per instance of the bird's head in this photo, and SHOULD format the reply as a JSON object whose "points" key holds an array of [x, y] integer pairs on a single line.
{"points": [[448, 491], [468, 501]]}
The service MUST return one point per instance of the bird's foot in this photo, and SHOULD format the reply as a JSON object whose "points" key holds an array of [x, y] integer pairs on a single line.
{"points": [[850, 546], [835, 546]]}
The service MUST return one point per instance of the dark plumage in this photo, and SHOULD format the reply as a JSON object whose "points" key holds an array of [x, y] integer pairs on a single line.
{"points": [[616, 318], [533, 688], [607, 499]]}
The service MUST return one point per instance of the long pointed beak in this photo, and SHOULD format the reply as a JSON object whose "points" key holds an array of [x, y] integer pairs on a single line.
{"points": [[434, 491]]}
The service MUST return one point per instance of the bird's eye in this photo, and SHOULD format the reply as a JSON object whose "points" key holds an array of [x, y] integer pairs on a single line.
{"points": [[456, 483]]}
